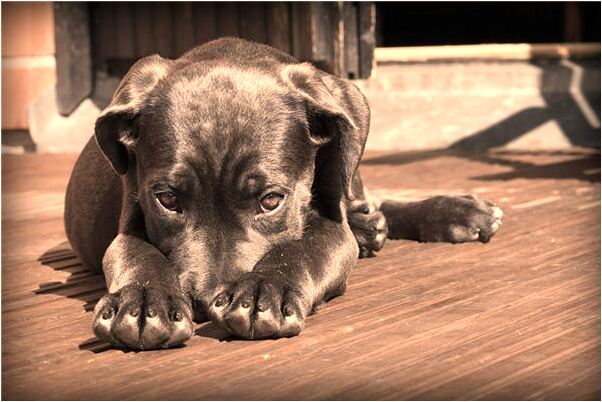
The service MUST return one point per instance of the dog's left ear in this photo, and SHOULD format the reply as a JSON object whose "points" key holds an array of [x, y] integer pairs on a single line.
{"points": [[331, 127], [115, 127]]}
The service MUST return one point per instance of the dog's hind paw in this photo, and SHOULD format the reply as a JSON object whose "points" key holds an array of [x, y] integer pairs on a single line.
{"points": [[460, 219], [142, 318]]}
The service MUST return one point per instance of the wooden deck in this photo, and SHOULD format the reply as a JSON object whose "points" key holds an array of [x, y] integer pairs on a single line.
{"points": [[518, 318]]}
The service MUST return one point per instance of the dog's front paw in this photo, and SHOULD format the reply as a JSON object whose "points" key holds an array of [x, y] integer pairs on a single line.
{"points": [[141, 317], [460, 219], [369, 227], [259, 306]]}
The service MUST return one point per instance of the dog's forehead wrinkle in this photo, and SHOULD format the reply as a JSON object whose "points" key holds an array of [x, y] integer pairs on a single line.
{"points": [[223, 94]]}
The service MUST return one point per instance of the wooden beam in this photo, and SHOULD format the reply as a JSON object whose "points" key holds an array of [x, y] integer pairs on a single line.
{"points": [[252, 25], [73, 60], [521, 51], [367, 37], [301, 30], [204, 22], [351, 42], [278, 25]]}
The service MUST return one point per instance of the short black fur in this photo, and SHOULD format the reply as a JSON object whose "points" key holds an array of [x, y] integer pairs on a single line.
{"points": [[219, 129]]}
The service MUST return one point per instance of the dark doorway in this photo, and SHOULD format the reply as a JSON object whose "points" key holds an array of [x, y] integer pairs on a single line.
{"points": [[422, 24]]}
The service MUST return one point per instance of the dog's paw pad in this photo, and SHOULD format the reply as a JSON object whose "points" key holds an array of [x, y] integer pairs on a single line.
{"points": [[470, 219]]}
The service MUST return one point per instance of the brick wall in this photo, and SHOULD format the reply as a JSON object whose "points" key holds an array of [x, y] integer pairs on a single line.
{"points": [[28, 62]]}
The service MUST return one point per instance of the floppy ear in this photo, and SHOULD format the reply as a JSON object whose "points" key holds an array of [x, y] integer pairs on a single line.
{"points": [[331, 127], [114, 128]]}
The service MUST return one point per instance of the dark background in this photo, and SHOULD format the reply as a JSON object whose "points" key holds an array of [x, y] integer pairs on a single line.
{"points": [[451, 23]]}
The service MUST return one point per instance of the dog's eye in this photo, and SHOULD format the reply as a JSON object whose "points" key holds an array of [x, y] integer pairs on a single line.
{"points": [[270, 202], [169, 200]]}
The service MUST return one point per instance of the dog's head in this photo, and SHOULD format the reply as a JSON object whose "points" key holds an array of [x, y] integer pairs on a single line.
{"points": [[227, 161]]}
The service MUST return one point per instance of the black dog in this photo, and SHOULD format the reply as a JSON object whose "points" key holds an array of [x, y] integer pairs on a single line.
{"points": [[224, 185]]}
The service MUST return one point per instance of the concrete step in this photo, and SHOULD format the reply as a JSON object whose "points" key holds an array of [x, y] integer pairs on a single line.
{"points": [[548, 104]]}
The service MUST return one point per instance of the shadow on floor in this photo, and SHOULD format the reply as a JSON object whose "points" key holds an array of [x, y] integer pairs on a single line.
{"points": [[81, 284], [89, 287], [586, 168], [210, 330]]}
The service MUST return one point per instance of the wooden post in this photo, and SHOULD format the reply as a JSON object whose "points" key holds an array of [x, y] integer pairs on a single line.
{"points": [[352, 66], [73, 60], [367, 38], [337, 37], [278, 26], [302, 40]]}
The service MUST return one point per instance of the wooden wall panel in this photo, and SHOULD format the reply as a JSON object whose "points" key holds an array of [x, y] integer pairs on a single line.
{"points": [[335, 36], [163, 28], [325, 35], [73, 60], [367, 37], [227, 19], [204, 21], [302, 38], [278, 26], [123, 16], [251, 19], [350, 14], [143, 30], [183, 24]]}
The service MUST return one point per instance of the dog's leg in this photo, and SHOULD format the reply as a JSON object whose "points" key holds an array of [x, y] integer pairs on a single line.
{"points": [[144, 308], [453, 219], [288, 283]]}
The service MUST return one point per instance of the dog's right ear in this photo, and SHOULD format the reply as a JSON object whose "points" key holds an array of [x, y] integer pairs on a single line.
{"points": [[114, 128]]}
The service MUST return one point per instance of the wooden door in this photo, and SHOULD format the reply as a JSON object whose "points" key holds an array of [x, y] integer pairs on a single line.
{"points": [[337, 37]]}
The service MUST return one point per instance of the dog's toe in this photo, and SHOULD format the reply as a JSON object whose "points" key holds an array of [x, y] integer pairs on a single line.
{"points": [[142, 318], [259, 308]]}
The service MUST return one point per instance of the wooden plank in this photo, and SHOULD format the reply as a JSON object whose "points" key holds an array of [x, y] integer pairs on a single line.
{"points": [[204, 22], [103, 38], [143, 22], [252, 22], [162, 28], [302, 44], [518, 318], [325, 36], [351, 42], [183, 27], [367, 38], [227, 19], [278, 25], [123, 24], [73, 58]]}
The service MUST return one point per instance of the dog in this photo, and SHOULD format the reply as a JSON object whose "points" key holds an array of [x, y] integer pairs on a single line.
{"points": [[224, 185]]}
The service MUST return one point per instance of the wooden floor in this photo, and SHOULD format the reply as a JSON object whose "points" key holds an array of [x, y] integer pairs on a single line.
{"points": [[518, 318]]}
